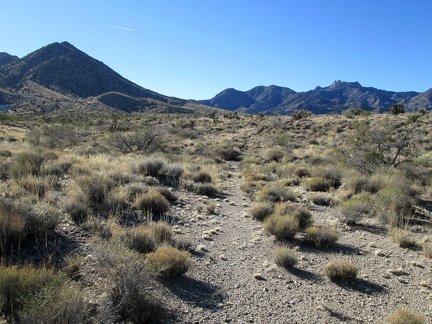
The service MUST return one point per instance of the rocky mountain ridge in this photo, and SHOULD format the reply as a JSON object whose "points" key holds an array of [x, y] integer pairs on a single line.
{"points": [[59, 77], [332, 99]]}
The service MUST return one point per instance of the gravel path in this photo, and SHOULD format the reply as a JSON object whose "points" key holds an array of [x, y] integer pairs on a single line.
{"points": [[234, 279]]}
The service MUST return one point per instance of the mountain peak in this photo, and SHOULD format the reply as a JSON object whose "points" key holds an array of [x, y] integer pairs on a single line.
{"points": [[338, 84]]}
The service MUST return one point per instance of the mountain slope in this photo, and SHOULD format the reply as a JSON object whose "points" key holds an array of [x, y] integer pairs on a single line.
{"points": [[332, 99], [6, 58], [60, 75]]}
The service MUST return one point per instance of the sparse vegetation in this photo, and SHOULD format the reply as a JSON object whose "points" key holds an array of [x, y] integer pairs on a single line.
{"points": [[168, 262], [340, 270], [405, 317], [284, 257]]}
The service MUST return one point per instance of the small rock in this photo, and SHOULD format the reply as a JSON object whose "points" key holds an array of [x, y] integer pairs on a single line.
{"points": [[223, 257], [201, 248], [258, 276], [379, 253], [398, 272], [372, 245]]}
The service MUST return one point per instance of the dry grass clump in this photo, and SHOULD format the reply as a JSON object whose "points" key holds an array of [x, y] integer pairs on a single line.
{"points": [[340, 270], [37, 186], [355, 208], [201, 177], [162, 232], [318, 184], [405, 317], [275, 193], [139, 238], [282, 227], [301, 214], [171, 172], [321, 236], [284, 257], [13, 229], [274, 154], [150, 166], [152, 202], [261, 211], [403, 238], [211, 207], [168, 262], [205, 189], [95, 187]]}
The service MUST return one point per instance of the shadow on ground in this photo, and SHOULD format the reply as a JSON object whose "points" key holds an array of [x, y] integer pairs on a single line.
{"points": [[304, 274], [363, 286], [196, 292]]}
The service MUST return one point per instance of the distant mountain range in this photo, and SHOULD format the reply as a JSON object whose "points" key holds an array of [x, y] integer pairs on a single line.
{"points": [[332, 99], [59, 79]]}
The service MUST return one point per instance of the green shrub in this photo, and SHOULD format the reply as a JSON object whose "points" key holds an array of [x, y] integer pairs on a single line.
{"points": [[282, 227], [262, 210], [26, 163], [340, 270], [18, 285], [405, 317], [321, 199], [321, 236], [152, 202], [318, 184], [168, 262], [284, 257], [43, 219]]}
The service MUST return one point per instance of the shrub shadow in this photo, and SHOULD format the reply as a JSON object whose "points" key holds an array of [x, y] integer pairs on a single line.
{"points": [[196, 292], [373, 229], [363, 286], [304, 274]]}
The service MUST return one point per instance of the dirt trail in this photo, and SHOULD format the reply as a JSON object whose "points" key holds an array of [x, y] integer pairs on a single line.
{"points": [[234, 279]]}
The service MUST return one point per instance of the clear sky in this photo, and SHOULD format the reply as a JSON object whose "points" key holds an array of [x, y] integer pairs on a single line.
{"points": [[194, 49]]}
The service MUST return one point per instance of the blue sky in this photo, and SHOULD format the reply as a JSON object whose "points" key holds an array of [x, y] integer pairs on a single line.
{"points": [[194, 49]]}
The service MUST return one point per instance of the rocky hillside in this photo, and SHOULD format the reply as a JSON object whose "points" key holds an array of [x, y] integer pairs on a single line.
{"points": [[59, 76], [332, 99], [6, 58]]}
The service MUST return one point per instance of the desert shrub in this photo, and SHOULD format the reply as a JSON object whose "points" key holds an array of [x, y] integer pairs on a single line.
{"points": [[144, 141], [171, 172], [211, 207], [183, 244], [13, 227], [5, 153], [77, 209], [227, 152], [396, 109], [403, 238], [152, 202], [205, 189], [57, 169], [275, 193], [282, 227], [318, 184], [139, 238], [202, 177], [57, 305], [130, 299], [355, 208], [302, 172], [261, 211], [18, 285], [26, 163], [405, 317], [427, 248], [161, 232], [37, 186], [168, 262], [43, 219], [54, 136], [274, 154], [340, 270], [284, 257], [321, 236], [321, 199], [96, 187], [301, 214], [97, 226], [150, 167], [167, 193]]}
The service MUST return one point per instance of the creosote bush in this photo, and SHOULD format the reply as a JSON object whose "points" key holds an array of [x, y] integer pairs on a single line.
{"points": [[168, 262], [284, 257], [321, 236], [276, 193], [340, 270]]}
